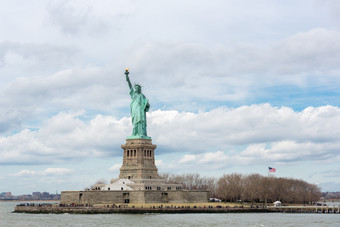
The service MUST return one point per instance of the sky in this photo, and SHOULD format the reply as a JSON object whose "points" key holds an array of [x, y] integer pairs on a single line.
{"points": [[235, 86]]}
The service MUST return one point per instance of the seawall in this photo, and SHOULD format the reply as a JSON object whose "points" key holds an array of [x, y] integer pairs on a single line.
{"points": [[104, 210]]}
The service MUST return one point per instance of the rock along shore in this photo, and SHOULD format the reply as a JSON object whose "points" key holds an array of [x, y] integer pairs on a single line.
{"points": [[129, 210]]}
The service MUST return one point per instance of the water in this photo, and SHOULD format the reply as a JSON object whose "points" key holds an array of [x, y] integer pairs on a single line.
{"points": [[7, 218]]}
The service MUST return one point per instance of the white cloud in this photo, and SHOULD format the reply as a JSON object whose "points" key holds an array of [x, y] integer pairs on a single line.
{"points": [[187, 158], [35, 97], [225, 127], [208, 161], [212, 157], [261, 154], [24, 172], [115, 168], [57, 171], [239, 71], [158, 162], [65, 137], [267, 132], [89, 17], [32, 59], [46, 172], [289, 151]]}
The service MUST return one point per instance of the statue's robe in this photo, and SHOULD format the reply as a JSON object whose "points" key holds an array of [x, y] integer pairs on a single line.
{"points": [[138, 108]]}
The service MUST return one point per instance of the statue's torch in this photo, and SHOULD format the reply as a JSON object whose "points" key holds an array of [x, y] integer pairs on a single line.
{"points": [[127, 71]]}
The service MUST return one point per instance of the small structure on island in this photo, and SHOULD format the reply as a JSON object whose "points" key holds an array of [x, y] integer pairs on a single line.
{"points": [[277, 203], [138, 180]]}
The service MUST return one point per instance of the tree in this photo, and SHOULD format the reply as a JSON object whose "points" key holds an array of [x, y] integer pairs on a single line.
{"points": [[252, 187], [192, 181], [230, 187], [99, 183]]}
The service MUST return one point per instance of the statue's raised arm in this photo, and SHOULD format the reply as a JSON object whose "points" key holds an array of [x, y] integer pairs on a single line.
{"points": [[127, 78], [138, 107]]}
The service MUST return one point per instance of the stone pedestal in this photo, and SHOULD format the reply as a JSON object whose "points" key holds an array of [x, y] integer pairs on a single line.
{"points": [[139, 160]]}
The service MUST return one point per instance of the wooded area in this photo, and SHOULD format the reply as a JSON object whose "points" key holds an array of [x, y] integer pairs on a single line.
{"points": [[251, 188]]}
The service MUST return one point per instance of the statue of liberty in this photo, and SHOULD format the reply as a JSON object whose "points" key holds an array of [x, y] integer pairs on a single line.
{"points": [[138, 107]]}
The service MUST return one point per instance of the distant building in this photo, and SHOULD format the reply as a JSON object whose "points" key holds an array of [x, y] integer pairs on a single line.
{"points": [[34, 196], [6, 195]]}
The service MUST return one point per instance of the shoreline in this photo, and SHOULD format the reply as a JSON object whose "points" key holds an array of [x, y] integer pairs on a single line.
{"points": [[169, 210]]}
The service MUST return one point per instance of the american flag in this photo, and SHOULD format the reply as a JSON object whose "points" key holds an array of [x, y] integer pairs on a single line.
{"points": [[272, 170]]}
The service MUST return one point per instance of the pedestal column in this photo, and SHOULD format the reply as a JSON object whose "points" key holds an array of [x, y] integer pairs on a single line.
{"points": [[139, 160]]}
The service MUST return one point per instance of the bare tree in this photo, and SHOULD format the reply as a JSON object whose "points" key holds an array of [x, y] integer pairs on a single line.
{"points": [[192, 181], [230, 187], [252, 187], [99, 183]]}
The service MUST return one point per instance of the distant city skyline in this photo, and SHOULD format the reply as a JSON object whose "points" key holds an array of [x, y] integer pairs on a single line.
{"points": [[30, 196], [233, 86]]}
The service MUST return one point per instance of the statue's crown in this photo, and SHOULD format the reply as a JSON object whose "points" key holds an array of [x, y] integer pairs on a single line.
{"points": [[136, 84]]}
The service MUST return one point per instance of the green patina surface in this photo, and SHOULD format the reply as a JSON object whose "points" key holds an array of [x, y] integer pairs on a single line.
{"points": [[138, 107]]}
